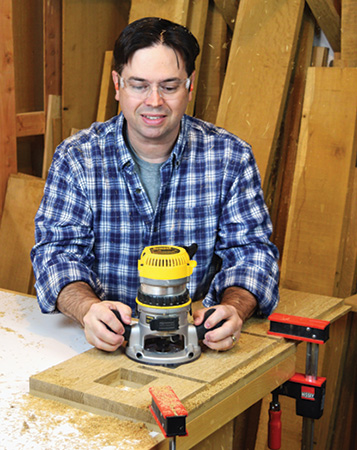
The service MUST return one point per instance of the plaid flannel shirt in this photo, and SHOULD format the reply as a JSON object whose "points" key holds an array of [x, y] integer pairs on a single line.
{"points": [[95, 217]]}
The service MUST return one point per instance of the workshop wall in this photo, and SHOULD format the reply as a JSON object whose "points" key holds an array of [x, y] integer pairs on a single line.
{"points": [[259, 75]]}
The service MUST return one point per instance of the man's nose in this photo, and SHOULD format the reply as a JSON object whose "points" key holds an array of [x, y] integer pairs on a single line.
{"points": [[154, 98]]}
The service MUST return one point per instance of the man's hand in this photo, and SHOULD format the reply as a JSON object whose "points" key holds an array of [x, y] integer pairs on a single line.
{"points": [[236, 306], [78, 301]]}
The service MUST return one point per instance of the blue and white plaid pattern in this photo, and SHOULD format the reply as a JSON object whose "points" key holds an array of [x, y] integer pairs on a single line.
{"points": [[95, 217]]}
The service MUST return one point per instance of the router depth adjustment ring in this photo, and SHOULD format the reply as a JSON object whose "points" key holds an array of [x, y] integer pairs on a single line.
{"points": [[163, 300]]}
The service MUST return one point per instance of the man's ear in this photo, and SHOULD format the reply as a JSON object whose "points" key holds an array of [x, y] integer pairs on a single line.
{"points": [[190, 89], [115, 77]]}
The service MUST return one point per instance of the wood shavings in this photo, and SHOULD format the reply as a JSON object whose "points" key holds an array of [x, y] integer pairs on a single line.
{"points": [[48, 424]]}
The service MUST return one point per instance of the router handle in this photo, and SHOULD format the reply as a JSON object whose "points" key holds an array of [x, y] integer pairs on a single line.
{"points": [[202, 330], [127, 328]]}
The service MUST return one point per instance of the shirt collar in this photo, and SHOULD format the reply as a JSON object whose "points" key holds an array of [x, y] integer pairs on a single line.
{"points": [[124, 155]]}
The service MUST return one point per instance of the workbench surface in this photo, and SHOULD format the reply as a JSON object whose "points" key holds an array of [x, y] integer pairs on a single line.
{"points": [[32, 343]]}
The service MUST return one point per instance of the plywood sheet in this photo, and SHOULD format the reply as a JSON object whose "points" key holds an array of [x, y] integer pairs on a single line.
{"points": [[321, 200], [111, 383], [258, 74], [17, 231]]}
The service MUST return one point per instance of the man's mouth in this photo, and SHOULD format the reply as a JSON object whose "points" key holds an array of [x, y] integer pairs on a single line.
{"points": [[151, 117]]}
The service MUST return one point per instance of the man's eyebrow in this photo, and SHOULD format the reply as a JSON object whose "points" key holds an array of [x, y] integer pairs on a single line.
{"points": [[166, 80]]}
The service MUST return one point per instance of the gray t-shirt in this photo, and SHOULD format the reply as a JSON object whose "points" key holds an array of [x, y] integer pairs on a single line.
{"points": [[149, 174]]}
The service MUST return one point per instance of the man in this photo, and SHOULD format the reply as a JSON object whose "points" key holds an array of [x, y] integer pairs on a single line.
{"points": [[153, 175]]}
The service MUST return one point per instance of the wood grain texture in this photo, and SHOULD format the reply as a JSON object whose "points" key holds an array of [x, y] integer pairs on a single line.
{"points": [[348, 280], [279, 193], [120, 386], [107, 105], [87, 33], [196, 23], [8, 157], [166, 9], [30, 124], [214, 389], [258, 74], [52, 48], [17, 230], [228, 9], [214, 57], [329, 20], [320, 201], [53, 131], [349, 32]]}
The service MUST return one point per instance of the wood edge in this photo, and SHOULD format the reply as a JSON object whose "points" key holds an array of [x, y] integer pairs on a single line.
{"points": [[225, 410], [352, 302]]}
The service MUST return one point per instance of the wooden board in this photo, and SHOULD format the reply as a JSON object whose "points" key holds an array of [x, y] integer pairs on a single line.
{"points": [[320, 200], [52, 48], [53, 131], [349, 32], [166, 9], [214, 389], [214, 55], [17, 229], [258, 74], [196, 23], [8, 158], [300, 304], [116, 385], [88, 31], [30, 123], [279, 194], [329, 21], [107, 105], [348, 281]]}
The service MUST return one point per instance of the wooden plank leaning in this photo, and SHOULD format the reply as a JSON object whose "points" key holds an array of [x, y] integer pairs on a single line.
{"points": [[258, 74]]}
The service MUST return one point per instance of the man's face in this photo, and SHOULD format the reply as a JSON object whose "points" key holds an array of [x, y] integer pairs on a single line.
{"points": [[154, 117]]}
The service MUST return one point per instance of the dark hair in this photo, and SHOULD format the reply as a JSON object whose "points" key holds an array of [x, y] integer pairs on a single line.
{"points": [[151, 31]]}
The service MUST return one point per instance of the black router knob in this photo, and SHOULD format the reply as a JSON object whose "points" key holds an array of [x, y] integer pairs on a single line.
{"points": [[127, 328], [202, 330]]}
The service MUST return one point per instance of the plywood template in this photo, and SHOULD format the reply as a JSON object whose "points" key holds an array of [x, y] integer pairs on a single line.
{"points": [[258, 74], [17, 231], [114, 384], [214, 389], [322, 186]]}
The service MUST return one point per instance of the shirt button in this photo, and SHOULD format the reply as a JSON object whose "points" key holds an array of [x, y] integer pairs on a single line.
{"points": [[155, 230], [138, 190]]}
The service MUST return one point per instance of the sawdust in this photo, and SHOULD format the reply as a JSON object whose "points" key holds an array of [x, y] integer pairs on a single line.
{"points": [[10, 330], [81, 429]]}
